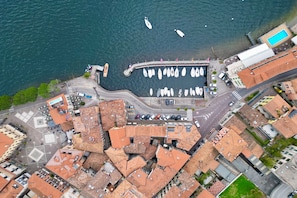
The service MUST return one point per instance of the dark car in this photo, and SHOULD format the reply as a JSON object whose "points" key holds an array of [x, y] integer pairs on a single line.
{"points": [[178, 117], [172, 117], [137, 116], [147, 117]]}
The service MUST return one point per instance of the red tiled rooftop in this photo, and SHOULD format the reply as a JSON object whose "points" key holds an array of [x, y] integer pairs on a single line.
{"points": [[287, 125], [125, 190], [142, 130], [59, 110], [5, 143], [236, 124], [275, 106], [216, 188], [118, 137], [205, 194], [10, 191]]}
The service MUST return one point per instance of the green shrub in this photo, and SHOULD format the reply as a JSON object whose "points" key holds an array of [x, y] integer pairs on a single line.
{"points": [[87, 75], [5, 102], [43, 90]]}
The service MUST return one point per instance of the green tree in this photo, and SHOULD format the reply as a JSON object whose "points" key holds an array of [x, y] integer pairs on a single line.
{"points": [[24, 96], [43, 90], [5, 102], [87, 75], [52, 86]]}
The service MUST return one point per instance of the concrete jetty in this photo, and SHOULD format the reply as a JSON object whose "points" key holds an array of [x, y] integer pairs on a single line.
{"points": [[183, 63]]}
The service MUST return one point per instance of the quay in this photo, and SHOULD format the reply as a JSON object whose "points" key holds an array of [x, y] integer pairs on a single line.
{"points": [[184, 63], [251, 39]]}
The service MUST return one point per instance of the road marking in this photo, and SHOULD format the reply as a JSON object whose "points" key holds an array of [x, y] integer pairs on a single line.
{"points": [[236, 95]]}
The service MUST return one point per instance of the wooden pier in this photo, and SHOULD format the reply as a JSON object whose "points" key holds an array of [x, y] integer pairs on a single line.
{"points": [[191, 63]]}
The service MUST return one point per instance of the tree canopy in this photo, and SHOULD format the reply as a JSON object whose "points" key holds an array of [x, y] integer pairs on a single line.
{"points": [[27, 95], [5, 102], [43, 90]]}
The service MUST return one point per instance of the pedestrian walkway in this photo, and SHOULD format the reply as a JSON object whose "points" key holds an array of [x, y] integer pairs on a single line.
{"points": [[236, 95]]}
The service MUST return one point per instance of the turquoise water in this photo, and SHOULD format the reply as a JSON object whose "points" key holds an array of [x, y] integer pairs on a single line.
{"points": [[44, 40], [278, 37]]}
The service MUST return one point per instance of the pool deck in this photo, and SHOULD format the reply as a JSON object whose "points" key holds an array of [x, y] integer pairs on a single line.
{"points": [[183, 63]]}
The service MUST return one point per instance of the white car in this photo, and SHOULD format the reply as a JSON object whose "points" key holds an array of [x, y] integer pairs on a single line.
{"points": [[197, 124]]}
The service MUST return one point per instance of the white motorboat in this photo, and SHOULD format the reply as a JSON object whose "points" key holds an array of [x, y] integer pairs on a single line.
{"points": [[151, 91], [148, 23], [153, 72], [171, 71], [184, 71], [168, 92], [186, 92], [144, 72], [160, 74], [158, 92], [162, 92], [201, 91], [197, 90], [179, 32], [165, 89], [201, 71], [193, 73], [150, 73], [180, 92], [168, 72], [176, 73], [197, 72], [172, 92], [191, 91], [164, 71]]}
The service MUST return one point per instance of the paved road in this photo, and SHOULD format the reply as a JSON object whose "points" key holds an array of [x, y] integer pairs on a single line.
{"points": [[281, 191]]}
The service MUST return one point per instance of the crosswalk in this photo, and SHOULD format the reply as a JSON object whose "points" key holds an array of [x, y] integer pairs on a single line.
{"points": [[236, 95]]}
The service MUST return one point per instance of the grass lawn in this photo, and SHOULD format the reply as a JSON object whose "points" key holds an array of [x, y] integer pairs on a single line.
{"points": [[242, 188]]}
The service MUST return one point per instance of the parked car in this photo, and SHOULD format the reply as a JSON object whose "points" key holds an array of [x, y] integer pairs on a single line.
{"points": [[231, 103], [158, 117], [221, 75], [277, 89], [178, 117], [137, 116], [197, 124]]}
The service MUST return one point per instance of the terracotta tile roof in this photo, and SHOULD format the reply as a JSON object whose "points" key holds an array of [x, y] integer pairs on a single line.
{"points": [[42, 188], [236, 124], [138, 178], [252, 116], [268, 68], [79, 179], [89, 116], [216, 188], [275, 106], [79, 144], [118, 137], [116, 155], [58, 109], [112, 112], [185, 188], [202, 159], [10, 191], [142, 130], [205, 194], [137, 148], [290, 89], [3, 183], [66, 126], [125, 190], [247, 153], [287, 124], [150, 151], [5, 143], [253, 146], [78, 124], [95, 161], [230, 145], [186, 137], [65, 162]]}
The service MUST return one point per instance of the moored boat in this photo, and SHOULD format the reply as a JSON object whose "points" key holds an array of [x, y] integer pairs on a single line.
{"points": [[171, 91], [168, 72], [184, 71], [148, 23], [171, 71], [153, 72], [158, 92], [197, 90], [176, 73], [186, 92], [150, 74], [168, 92], [151, 91], [193, 73], [180, 92], [191, 91], [160, 74], [201, 91], [179, 32], [197, 72], [144, 72], [201, 71], [164, 71], [105, 71], [162, 92]]}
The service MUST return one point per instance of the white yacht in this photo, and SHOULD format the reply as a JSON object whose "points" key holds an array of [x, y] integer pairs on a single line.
{"points": [[160, 74], [144, 72], [186, 92], [172, 92], [176, 73], [197, 72], [148, 23], [180, 92], [193, 73], [172, 71], [184, 71], [179, 32], [151, 91], [201, 71]]}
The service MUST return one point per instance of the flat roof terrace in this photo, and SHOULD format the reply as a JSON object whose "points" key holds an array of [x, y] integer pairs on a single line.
{"points": [[183, 63], [277, 36]]}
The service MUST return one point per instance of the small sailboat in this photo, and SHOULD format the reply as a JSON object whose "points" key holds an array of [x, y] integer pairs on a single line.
{"points": [[184, 71], [179, 32], [150, 74], [197, 90], [160, 74], [151, 91], [201, 71], [197, 72], [176, 73], [180, 92], [148, 23], [144, 72], [164, 71], [186, 92], [193, 73], [158, 92], [172, 92], [171, 71]]}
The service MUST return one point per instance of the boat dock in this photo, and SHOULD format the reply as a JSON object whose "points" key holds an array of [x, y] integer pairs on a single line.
{"points": [[251, 39], [190, 63]]}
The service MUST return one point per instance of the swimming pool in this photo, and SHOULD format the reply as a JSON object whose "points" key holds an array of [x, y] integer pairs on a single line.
{"points": [[277, 37]]}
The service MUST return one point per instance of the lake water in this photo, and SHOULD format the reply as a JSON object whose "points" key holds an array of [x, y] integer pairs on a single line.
{"points": [[44, 40]]}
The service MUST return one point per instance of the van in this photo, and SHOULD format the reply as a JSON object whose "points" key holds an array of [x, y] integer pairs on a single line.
{"points": [[221, 75], [80, 94]]}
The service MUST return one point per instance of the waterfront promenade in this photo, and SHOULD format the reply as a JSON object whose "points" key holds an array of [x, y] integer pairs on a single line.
{"points": [[161, 63]]}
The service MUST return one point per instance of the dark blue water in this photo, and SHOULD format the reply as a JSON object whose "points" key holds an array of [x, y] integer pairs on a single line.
{"points": [[44, 40]]}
